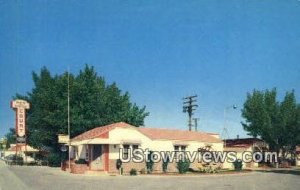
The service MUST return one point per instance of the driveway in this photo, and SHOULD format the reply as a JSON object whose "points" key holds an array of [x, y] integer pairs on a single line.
{"points": [[31, 177]]}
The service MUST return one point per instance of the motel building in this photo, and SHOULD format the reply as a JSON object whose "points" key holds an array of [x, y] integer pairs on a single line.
{"points": [[99, 148]]}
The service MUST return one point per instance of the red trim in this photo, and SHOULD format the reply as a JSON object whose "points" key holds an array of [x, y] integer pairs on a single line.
{"points": [[106, 157]]}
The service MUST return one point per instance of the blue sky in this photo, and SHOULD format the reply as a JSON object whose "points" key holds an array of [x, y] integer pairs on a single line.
{"points": [[158, 50]]}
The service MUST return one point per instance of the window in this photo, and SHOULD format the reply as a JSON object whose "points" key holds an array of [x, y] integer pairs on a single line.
{"points": [[179, 151], [134, 147], [176, 148], [183, 148], [87, 152], [125, 151]]}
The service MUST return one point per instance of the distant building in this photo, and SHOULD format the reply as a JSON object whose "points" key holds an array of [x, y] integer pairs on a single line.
{"points": [[27, 152], [242, 145]]}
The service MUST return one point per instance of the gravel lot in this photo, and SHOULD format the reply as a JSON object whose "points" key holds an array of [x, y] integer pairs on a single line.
{"points": [[31, 177]]}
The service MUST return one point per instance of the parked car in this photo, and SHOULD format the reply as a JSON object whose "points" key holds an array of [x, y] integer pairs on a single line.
{"points": [[29, 160], [14, 160]]}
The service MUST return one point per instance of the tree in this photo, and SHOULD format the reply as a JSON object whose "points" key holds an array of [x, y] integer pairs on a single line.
{"points": [[277, 123], [10, 137], [93, 103]]}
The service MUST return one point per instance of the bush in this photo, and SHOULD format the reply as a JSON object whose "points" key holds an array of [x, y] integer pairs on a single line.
{"points": [[183, 166], [119, 164], [132, 171], [149, 163], [238, 164], [54, 159], [80, 161], [209, 169], [143, 171], [165, 165]]}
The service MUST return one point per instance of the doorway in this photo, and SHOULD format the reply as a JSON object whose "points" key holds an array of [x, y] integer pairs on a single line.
{"points": [[96, 163]]}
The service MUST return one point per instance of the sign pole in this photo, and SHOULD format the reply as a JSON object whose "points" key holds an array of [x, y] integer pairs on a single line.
{"points": [[20, 107]]}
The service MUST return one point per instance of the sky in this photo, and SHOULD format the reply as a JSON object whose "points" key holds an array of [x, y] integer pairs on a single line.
{"points": [[159, 51]]}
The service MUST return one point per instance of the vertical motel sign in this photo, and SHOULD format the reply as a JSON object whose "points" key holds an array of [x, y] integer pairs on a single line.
{"points": [[20, 107]]}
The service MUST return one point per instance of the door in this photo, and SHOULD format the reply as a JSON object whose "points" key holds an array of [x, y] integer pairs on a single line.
{"points": [[96, 163]]}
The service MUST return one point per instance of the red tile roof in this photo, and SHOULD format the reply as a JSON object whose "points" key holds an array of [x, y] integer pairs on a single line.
{"points": [[152, 133], [96, 132], [182, 135]]}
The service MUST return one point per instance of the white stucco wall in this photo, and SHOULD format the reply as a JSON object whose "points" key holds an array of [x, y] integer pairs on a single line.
{"points": [[239, 155], [133, 136], [126, 135]]}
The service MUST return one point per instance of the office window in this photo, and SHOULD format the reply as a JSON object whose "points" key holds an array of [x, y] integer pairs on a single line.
{"points": [[176, 148], [134, 147], [180, 151], [125, 151], [183, 148]]}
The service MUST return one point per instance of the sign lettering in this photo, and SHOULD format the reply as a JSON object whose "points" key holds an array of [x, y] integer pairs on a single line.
{"points": [[20, 107]]}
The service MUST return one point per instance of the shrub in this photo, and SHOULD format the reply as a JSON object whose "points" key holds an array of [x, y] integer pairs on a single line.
{"points": [[238, 164], [165, 165], [183, 166], [54, 159], [143, 171], [149, 163], [210, 169], [80, 161], [132, 171], [119, 164]]}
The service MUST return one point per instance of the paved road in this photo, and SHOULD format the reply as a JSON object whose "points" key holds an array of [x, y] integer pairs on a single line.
{"points": [[44, 178]]}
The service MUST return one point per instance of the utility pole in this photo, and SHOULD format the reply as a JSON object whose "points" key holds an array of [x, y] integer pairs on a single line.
{"points": [[189, 106], [196, 123]]}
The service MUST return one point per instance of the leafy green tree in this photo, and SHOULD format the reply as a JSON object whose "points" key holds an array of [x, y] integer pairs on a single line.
{"points": [[93, 103], [10, 137], [277, 123]]}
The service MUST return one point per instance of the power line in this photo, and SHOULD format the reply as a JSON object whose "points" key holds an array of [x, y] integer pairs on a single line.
{"points": [[189, 105]]}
